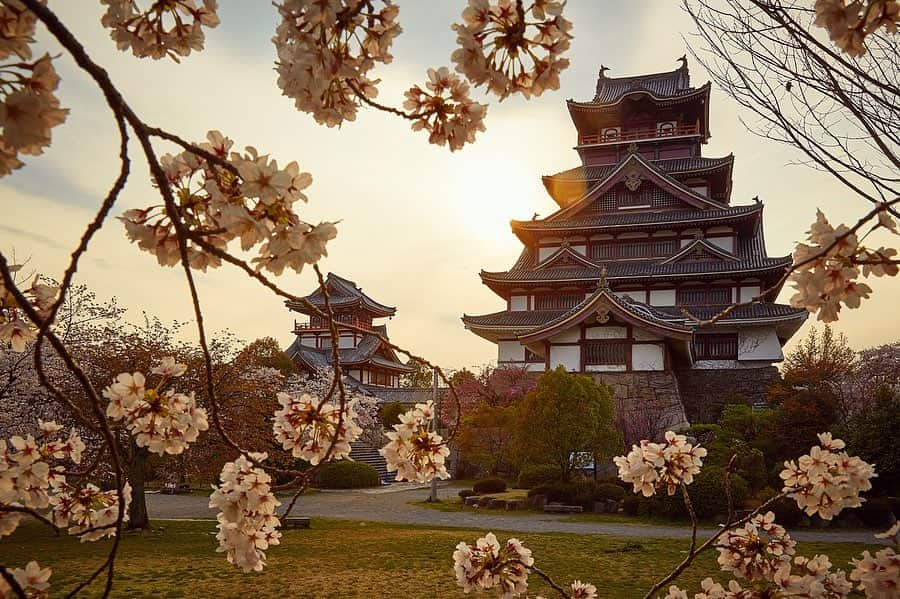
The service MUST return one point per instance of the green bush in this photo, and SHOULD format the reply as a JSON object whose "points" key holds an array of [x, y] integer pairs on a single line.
{"points": [[608, 491], [390, 413], [489, 485], [787, 513], [533, 475], [463, 493], [631, 504], [345, 474], [708, 492]]}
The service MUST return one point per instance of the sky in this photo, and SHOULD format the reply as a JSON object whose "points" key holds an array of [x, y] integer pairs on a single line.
{"points": [[417, 222]]}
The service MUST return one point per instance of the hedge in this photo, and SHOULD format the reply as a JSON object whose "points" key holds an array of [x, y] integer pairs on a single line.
{"points": [[346, 474], [489, 485], [390, 413]]}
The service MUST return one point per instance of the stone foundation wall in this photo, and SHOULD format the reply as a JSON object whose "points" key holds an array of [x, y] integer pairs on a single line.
{"points": [[705, 392], [648, 402]]}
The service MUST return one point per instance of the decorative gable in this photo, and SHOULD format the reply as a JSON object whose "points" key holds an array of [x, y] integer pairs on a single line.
{"points": [[566, 257], [701, 250]]}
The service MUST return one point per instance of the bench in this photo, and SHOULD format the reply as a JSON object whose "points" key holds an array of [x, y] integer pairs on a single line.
{"points": [[559, 508], [295, 523]]}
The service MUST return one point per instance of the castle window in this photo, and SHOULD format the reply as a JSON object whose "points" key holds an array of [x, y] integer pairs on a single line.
{"points": [[703, 296], [716, 346], [533, 358], [666, 128], [611, 133], [557, 302], [605, 353]]}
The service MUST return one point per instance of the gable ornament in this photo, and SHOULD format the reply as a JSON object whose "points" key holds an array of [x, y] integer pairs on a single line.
{"points": [[633, 179]]}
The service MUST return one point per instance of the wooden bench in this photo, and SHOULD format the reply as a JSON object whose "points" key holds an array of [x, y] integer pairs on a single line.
{"points": [[558, 508], [295, 522]]}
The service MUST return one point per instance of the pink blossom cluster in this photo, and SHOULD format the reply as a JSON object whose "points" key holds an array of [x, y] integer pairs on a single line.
{"points": [[172, 28], [313, 429], [488, 566], [33, 579], [415, 451], [246, 196], [326, 49], [879, 575], [829, 267], [446, 111], [28, 107], [711, 589], [827, 480], [811, 577], [848, 23], [757, 549], [15, 330], [248, 524], [31, 470], [87, 511], [651, 466], [512, 48], [163, 421]]}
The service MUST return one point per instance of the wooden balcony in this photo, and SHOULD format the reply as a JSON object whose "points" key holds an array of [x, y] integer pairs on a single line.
{"points": [[301, 327], [716, 347], [640, 134]]}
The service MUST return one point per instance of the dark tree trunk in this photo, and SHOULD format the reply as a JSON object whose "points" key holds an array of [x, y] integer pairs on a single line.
{"points": [[138, 518]]}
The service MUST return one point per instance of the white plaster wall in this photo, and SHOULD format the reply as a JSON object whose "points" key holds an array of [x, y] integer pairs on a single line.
{"points": [[568, 356], [581, 249], [544, 253], [326, 342], [748, 292], [308, 340], [701, 189], [641, 335], [662, 297], [354, 374], [605, 368], [759, 343], [518, 303], [534, 367], [510, 351], [634, 236], [647, 357], [606, 333], [569, 336], [346, 342], [726, 243]]}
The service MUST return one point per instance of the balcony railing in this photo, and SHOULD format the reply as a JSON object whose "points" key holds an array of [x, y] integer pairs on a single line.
{"points": [[300, 327], [716, 347], [606, 354], [639, 134]]}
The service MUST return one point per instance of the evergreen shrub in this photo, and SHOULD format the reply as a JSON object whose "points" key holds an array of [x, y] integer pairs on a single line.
{"points": [[533, 475], [489, 485], [345, 474]]}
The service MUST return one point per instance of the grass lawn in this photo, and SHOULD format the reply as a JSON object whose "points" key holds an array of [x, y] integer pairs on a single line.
{"points": [[338, 558]]}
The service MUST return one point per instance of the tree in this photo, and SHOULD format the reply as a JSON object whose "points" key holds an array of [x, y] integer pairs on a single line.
{"points": [[872, 434], [564, 416], [485, 437], [822, 359], [422, 376]]}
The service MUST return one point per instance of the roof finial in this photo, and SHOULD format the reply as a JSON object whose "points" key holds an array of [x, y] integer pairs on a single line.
{"points": [[683, 60], [633, 148], [603, 69], [601, 284], [756, 200]]}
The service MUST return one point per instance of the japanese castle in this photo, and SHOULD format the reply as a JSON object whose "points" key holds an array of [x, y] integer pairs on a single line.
{"points": [[645, 230], [363, 356]]}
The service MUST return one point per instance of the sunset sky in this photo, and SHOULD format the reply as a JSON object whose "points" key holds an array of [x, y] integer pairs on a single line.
{"points": [[417, 222]]}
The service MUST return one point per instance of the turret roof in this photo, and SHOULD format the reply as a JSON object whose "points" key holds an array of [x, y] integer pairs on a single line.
{"points": [[342, 293]]}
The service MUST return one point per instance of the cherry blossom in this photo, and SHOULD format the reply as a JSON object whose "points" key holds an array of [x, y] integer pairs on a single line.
{"points": [[583, 590], [248, 524], [757, 549], [848, 24], [14, 329], [33, 579], [811, 578], [88, 512], [445, 111], [713, 590], [246, 197], [326, 49], [165, 28], [827, 480], [415, 451], [313, 429], [827, 270], [486, 565], [650, 466], [16, 30], [163, 421], [496, 40]]}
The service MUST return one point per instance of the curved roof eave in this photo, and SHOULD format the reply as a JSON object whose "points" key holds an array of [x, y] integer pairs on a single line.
{"points": [[597, 106]]}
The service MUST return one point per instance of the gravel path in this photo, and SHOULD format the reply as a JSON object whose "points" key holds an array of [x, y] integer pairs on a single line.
{"points": [[391, 504]]}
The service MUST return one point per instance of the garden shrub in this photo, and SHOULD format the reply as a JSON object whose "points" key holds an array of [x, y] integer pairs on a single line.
{"points": [[787, 513], [489, 485], [463, 493], [708, 492], [346, 474], [533, 475], [630, 505], [608, 491]]}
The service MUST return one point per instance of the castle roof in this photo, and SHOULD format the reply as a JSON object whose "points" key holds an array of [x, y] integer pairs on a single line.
{"points": [[370, 350], [343, 293], [669, 85], [671, 166]]}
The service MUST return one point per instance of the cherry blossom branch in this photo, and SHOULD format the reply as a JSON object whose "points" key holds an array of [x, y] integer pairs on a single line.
{"points": [[562, 591], [12, 582], [873, 213], [33, 513]]}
